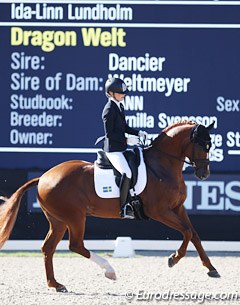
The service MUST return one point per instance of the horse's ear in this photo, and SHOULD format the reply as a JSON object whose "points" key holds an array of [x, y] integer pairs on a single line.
{"points": [[210, 126]]}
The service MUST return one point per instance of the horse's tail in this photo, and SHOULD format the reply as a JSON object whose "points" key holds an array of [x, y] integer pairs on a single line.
{"points": [[9, 210]]}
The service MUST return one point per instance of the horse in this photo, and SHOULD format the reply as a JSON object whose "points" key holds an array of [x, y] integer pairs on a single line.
{"points": [[66, 195]]}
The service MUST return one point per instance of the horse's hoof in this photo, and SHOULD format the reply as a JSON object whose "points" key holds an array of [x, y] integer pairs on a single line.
{"points": [[214, 273], [61, 289], [171, 262], [111, 275]]}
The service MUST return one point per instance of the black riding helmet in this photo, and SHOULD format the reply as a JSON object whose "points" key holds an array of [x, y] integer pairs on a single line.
{"points": [[115, 85]]}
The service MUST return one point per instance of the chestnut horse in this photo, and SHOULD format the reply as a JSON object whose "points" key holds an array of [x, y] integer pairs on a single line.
{"points": [[66, 195]]}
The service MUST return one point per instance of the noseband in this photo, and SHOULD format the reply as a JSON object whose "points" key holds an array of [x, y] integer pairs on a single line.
{"points": [[193, 162]]}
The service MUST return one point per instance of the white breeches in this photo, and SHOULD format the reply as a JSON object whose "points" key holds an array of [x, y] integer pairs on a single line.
{"points": [[118, 160]]}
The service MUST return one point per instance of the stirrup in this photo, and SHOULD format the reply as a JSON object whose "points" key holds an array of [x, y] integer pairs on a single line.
{"points": [[127, 212]]}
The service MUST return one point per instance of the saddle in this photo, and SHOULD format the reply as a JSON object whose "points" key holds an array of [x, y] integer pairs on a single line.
{"points": [[133, 159], [136, 164]]}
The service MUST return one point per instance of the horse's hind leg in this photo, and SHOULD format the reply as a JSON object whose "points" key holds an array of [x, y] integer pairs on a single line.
{"points": [[197, 243], [76, 235], [54, 235]]}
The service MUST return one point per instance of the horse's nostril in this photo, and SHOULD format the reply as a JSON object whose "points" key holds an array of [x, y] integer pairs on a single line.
{"points": [[202, 174]]}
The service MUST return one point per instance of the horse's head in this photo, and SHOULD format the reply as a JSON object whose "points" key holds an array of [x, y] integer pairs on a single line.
{"points": [[199, 149], [185, 139]]}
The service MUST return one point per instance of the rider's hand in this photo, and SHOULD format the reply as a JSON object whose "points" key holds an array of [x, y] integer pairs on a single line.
{"points": [[133, 141], [143, 134]]}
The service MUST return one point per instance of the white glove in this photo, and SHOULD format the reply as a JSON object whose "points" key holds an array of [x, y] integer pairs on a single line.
{"points": [[132, 141], [143, 134]]}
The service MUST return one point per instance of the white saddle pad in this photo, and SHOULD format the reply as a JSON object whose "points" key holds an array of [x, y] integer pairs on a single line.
{"points": [[105, 185]]}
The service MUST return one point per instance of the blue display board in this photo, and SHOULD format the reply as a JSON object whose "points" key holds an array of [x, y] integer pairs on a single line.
{"points": [[180, 62]]}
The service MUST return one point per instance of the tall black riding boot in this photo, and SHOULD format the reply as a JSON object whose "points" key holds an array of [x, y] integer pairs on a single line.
{"points": [[126, 208]]}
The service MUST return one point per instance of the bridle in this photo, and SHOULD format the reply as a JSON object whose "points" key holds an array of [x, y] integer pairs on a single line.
{"points": [[193, 162], [205, 144]]}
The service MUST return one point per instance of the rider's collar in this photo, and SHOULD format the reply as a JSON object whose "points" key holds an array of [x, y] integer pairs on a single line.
{"points": [[117, 102]]}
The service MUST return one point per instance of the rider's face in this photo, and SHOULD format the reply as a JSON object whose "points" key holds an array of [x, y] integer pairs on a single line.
{"points": [[118, 96]]}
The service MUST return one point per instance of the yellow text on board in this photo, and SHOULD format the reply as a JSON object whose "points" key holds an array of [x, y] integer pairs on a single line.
{"points": [[97, 37], [47, 40]]}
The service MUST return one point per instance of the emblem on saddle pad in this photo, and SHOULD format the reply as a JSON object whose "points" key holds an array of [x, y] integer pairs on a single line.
{"points": [[107, 189], [105, 184]]}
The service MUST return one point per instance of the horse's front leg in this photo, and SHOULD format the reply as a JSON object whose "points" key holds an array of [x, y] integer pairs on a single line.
{"points": [[181, 211], [181, 252], [204, 258], [172, 220]]}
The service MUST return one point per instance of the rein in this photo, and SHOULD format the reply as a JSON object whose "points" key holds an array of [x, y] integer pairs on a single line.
{"points": [[191, 162], [195, 139], [171, 156]]}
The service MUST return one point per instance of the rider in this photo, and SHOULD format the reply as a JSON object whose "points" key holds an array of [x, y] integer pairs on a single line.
{"points": [[115, 142]]}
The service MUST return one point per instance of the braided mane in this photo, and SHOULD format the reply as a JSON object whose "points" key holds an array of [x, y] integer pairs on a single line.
{"points": [[178, 124], [161, 135]]}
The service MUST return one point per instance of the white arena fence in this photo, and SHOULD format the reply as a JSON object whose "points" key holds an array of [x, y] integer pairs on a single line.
{"points": [[109, 245]]}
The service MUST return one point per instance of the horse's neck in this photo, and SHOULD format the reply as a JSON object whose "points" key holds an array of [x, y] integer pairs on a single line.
{"points": [[162, 166], [167, 151], [175, 140]]}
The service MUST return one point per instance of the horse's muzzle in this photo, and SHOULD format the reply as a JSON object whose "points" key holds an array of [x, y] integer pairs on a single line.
{"points": [[202, 173]]}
